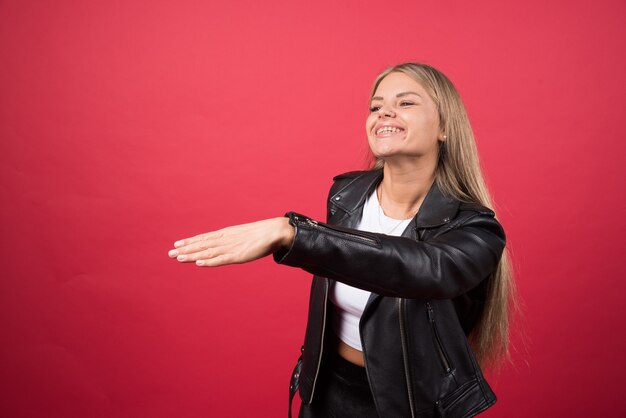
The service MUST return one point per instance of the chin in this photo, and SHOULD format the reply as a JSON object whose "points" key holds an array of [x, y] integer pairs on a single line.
{"points": [[384, 153]]}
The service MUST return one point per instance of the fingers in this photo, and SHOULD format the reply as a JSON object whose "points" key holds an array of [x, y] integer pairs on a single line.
{"points": [[203, 257], [219, 260], [194, 244], [195, 251], [230, 245], [205, 250], [199, 255], [190, 248], [209, 239], [208, 236], [198, 238]]}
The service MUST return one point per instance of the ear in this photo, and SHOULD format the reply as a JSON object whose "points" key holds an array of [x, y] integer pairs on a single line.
{"points": [[442, 137]]}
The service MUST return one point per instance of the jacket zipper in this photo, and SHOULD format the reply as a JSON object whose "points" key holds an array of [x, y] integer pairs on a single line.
{"points": [[319, 359], [343, 234], [439, 344], [405, 356]]}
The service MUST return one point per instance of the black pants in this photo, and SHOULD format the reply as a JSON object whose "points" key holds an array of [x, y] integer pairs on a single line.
{"points": [[342, 391]]}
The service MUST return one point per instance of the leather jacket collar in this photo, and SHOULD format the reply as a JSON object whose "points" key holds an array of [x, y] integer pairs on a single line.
{"points": [[436, 210]]}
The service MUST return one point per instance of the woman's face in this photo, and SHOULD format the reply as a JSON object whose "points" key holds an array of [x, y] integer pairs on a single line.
{"points": [[403, 120]]}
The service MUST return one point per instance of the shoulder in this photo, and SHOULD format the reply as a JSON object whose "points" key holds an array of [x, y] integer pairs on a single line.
{"points": [[343, 180], [366, 176], [352, 183], [476, 216], [349, 190], [350, 175], [475, 209]]}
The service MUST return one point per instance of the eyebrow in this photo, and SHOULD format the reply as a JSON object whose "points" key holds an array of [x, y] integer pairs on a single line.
{"points": [[404, 93]]}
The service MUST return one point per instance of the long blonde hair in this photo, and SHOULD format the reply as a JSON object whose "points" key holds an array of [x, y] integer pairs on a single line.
{"points": [[458, 174]]}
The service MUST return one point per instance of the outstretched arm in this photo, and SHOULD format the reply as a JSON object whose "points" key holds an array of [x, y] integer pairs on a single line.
{"points": [[235, 244], [445, 266]]}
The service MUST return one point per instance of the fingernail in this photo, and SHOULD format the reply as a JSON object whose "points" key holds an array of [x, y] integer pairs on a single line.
{"points": [[173, 253], [200, 263], [179, 243], [181, 257]]}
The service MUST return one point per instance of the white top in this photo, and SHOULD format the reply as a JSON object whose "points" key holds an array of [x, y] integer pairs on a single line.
{"points": [[349, 302]]}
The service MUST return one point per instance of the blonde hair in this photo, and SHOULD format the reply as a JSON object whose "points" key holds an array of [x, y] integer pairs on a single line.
{"points": [[458, 174]]}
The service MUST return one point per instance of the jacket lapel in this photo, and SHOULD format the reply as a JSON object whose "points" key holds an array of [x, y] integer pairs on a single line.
{"points": [[347, 204]]}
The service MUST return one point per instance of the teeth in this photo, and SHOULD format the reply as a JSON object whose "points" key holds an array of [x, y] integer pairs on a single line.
{"points": [[388, 129]]}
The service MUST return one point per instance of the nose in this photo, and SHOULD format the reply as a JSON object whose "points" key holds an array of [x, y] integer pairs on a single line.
{"points": [[386, 112]]}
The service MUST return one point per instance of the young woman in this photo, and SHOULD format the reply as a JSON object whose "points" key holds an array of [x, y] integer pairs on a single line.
{"points": [[411, 280]]}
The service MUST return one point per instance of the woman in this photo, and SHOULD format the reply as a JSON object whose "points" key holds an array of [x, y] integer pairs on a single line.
{"points": [[411, 285]]}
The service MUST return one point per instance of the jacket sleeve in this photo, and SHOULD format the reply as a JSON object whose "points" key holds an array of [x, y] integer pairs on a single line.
{"points": [[446, 266]]}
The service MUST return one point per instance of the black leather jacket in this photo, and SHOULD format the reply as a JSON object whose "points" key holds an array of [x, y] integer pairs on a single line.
{"points": [[428, 291]]}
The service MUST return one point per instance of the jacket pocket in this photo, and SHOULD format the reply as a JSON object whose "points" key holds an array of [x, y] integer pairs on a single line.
{"points": [[441, 352], [467, 401]]}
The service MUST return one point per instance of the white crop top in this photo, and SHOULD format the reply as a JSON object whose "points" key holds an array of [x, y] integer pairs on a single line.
{"points": [[349, 302]]}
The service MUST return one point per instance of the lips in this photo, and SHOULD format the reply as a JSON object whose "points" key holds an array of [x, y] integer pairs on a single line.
{"points": [[387, 129]]}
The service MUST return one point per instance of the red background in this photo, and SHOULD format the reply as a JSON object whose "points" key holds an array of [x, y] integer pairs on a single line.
{"points": [[126, 125]]}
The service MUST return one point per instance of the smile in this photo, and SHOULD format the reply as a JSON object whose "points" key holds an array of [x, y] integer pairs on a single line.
{"points": [[388, 130]]}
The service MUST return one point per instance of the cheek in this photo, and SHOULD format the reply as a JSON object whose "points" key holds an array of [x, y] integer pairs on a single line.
{"points": [[369, 124], [434, 121]]}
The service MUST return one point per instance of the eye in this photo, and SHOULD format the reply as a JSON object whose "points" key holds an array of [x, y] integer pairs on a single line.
{"points": [[374, 109], [406, 103]]}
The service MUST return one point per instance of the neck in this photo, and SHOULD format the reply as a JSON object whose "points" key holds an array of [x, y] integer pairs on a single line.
{"points": [[404, 188]]}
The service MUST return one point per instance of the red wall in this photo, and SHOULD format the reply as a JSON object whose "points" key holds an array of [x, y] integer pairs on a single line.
{"points": [[125, 125]]}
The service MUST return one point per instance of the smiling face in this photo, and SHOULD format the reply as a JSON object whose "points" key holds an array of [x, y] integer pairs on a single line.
{"points": [[404, 121]]}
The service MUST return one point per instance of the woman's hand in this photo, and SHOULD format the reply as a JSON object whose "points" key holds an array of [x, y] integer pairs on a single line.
{"points": [[235, 244]]}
